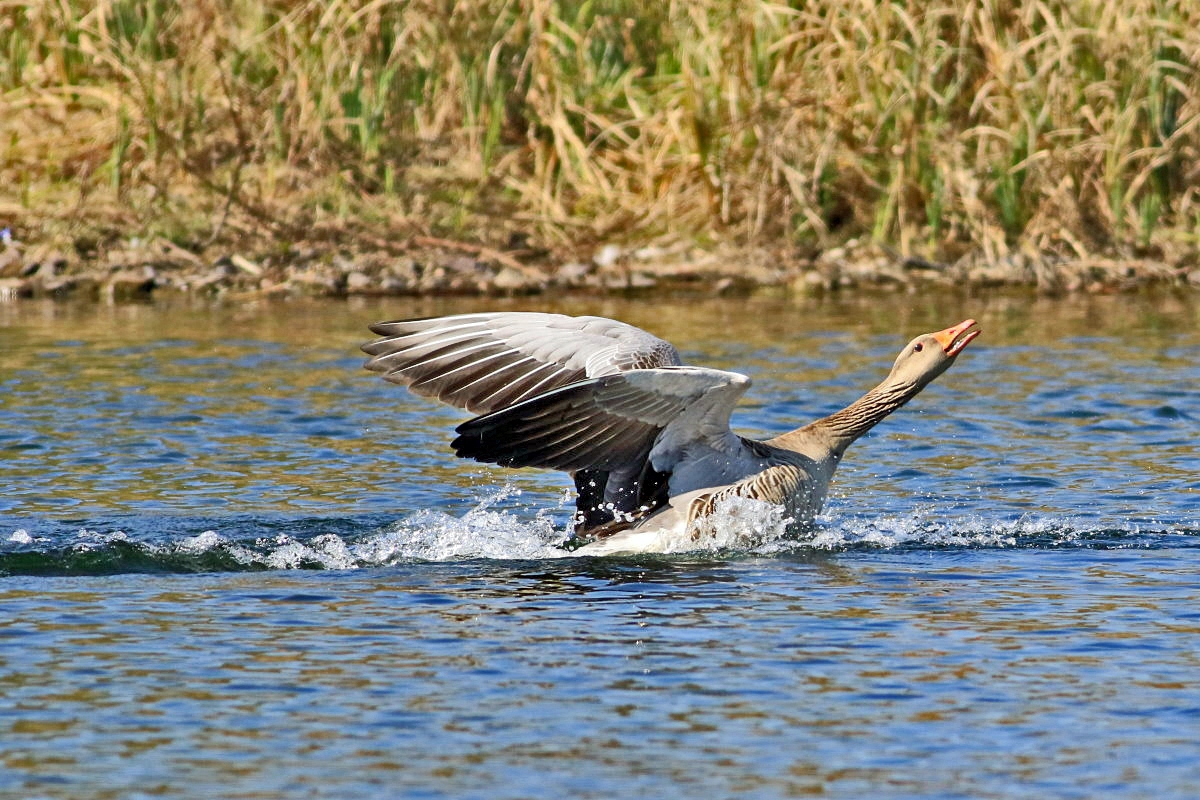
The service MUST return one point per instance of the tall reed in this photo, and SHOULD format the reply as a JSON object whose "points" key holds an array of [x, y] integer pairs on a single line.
{"points": [[942, 128]]}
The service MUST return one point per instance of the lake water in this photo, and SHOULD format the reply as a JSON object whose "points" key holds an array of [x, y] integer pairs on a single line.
{"points": [[234, 564]]}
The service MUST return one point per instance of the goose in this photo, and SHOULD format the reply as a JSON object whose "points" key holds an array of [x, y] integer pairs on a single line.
{"points": [[646, 437]]}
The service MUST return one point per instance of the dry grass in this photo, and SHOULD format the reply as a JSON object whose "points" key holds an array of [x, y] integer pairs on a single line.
{"points": [[979, 126]]}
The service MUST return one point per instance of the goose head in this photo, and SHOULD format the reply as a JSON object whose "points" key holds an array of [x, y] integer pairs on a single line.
{"points": [[931, 354]]}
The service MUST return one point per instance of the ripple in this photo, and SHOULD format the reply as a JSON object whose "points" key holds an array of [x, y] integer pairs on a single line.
{"points": [[1171, 412], [487, 533], [996, 583]]}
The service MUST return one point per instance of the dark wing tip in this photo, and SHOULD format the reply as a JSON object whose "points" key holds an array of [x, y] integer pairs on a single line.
{"points": [[468, 443]]}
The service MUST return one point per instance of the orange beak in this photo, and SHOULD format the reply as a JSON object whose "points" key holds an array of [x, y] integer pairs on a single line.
{"points": [[953, 340]]}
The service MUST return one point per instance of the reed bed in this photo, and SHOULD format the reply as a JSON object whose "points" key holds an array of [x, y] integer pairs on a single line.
{"points": [[942, 129]]}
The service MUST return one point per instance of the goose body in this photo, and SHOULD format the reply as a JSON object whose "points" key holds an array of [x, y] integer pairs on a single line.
{"points": [[646, 438]]}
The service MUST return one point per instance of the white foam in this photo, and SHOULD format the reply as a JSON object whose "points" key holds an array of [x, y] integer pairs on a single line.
{"points": [[738, 523], [482, 532], [485, 531], [930, 526], [328, 551], [201, 543], [742, 523], [88, 540]]}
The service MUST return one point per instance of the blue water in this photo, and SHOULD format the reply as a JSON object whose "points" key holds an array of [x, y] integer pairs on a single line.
{"points": [[233, 564]]}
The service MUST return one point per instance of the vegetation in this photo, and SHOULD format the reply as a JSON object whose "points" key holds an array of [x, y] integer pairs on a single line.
{"points": [[1064, 127]]}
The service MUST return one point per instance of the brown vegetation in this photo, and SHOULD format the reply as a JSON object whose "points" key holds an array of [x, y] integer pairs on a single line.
{"points": [[974, 131]]}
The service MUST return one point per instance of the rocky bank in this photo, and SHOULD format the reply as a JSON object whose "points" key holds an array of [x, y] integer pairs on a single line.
{"points": [[429, 266]]}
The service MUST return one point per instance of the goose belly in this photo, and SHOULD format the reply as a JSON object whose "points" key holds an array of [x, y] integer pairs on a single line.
{"points": [[736, 523]]}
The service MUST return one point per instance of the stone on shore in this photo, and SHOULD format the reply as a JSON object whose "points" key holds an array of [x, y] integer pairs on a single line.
{"points": [[133, 269]]}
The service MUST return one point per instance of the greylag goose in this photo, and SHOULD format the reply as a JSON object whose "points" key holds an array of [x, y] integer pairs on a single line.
{"points": [[646, 438]]}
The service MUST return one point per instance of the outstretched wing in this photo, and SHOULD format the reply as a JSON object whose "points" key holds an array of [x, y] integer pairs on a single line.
{"points": [[485, 362], [613, 422]]}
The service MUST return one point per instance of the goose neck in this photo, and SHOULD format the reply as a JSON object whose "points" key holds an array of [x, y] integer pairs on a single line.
{"points": [[842, 428]]}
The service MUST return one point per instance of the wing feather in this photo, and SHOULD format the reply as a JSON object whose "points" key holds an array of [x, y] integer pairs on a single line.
{"points": [[606, 423], [526, 385], [484, 362], [588, 395]]}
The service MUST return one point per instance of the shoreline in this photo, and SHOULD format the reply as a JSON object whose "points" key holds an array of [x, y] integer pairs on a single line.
{"points": [[205, 149], [432, 267]]}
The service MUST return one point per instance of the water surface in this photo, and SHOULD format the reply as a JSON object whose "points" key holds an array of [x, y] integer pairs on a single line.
{"points": [[232, 563]]}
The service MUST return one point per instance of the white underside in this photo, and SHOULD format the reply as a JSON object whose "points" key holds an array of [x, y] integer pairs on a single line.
{"points": [[737, 523]]}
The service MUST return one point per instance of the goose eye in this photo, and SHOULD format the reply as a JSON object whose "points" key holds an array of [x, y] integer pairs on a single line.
{"points": [[918, 347]]}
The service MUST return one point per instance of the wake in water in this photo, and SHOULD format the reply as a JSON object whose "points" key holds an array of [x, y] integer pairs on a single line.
{"points": [[743, 528]]}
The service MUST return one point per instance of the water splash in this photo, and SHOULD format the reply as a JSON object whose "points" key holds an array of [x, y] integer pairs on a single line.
{"points": [[20, 536], [481, 533], [327, 551], [742, 523], [738, 524], [923, 527], [489, 531], [929, 527]]}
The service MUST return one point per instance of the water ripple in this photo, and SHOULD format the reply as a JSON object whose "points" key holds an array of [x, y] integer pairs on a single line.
{"points": [[485, 532]]}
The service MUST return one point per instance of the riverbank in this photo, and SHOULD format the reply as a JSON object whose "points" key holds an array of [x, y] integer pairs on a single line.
{"points": [[532, 146], [432, 266]]}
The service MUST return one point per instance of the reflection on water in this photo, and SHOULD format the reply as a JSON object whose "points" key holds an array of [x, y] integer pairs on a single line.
{"points": [[234, 564]]}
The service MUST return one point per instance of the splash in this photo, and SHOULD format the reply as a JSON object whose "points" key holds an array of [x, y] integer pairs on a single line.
{"points": [[494, 530], [483, 532], [480, 533], [327, 551], [931, 527], [741, 523], [20, 536], [736, 524], [923, 527]]}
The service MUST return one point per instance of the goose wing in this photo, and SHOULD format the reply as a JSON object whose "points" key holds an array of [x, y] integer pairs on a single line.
{"points": [[485, 362], [612, 422]]}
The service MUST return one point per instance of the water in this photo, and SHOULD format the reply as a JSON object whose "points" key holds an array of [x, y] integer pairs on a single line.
{"points": [[234, 564]]}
